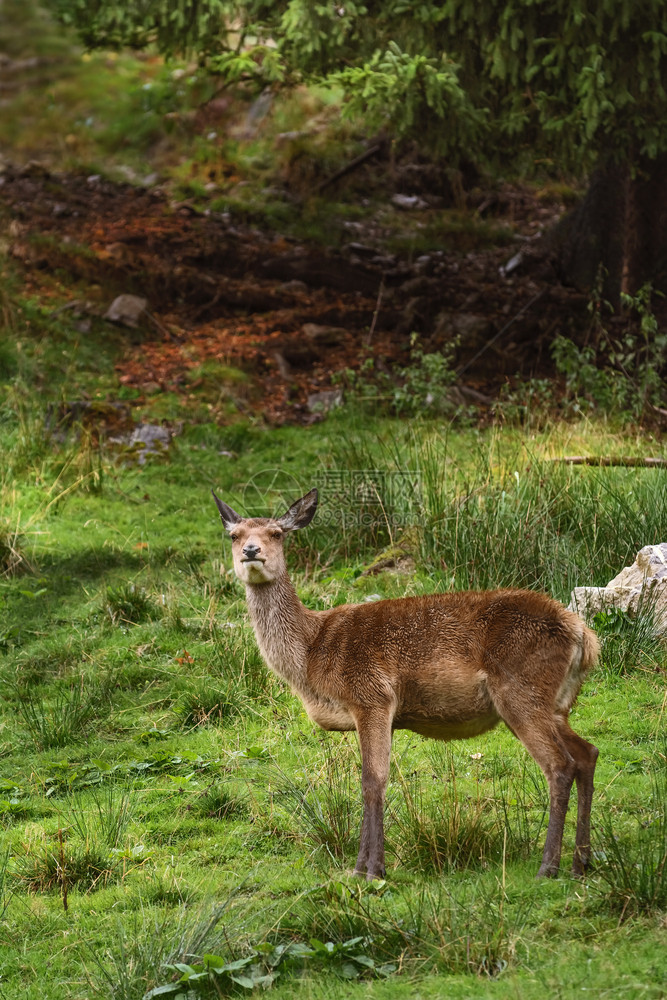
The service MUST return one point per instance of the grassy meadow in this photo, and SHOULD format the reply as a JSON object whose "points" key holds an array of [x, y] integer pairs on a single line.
{"points": [[163, 798]]}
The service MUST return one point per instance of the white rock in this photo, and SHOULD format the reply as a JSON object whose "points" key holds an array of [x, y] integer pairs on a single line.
{"points": [[126, 310], [644, 584], [408, 202]]}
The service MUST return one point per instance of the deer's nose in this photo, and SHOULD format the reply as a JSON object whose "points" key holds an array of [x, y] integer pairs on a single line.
{"points": [[251, 551]]}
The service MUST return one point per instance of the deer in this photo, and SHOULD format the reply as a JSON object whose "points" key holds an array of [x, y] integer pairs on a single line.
{"points": [[447, 665]]}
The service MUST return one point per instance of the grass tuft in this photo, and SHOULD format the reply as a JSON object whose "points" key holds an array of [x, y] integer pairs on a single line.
{"points": [[444, 833], [323, 800], [521, 803], [430, 928], [208, 703], [222, 802], [5, 890], [49, 867], [629, 641], [138, 953], [13, 557], [632, 865], [128, 604], [66, 718], [236, 681], [101, 815]]}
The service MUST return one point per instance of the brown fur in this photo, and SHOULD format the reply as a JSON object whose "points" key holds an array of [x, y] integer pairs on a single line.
{"points": [[448, 666]]}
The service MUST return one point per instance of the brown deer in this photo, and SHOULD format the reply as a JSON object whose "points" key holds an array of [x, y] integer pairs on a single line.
{"points": [[447, 666]]}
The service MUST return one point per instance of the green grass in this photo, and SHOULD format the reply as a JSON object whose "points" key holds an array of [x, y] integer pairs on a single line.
{"points": [[160, 782], [100, 112], [139, 119]]}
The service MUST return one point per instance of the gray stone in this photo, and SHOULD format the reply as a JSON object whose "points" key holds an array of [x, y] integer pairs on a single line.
{"points": [[150, 439], [145, 440], [294, 287], [408, 202], [470, 327], [328, 336], [360, 249], [323, 402], [126, 310]]}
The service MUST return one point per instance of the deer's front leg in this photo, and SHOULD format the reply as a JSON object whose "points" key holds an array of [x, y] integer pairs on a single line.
{"points": [[374, 729]]}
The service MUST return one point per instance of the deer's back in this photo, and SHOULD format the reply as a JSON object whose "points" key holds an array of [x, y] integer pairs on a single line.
{"points": [[432, 655]]}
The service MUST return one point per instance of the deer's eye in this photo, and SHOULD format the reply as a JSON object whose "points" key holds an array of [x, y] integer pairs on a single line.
{"points": [[276, 534], [233, 537]]}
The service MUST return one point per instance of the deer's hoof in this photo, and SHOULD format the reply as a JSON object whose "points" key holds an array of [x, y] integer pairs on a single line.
{"points": [[547, 871], [369, 875], [581, 862]]}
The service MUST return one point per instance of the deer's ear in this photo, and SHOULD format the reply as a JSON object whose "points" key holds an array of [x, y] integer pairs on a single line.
{"points": [[229, 516], [300, 513]]}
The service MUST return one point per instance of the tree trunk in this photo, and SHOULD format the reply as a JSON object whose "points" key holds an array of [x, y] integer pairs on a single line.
{"points": [[647, 228], [618, 234]]}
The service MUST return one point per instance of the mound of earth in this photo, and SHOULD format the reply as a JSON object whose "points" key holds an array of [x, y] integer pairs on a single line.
{"points": [[288, 314]]}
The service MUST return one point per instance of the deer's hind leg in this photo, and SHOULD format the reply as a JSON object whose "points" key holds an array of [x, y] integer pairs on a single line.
{"points": [[585, 755], [540, 732]]}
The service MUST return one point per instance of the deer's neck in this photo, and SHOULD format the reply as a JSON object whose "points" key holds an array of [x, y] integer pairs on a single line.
{"points": [[284, 628]]}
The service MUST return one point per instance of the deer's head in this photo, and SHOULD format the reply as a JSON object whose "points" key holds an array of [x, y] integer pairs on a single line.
{"points": [[257, 542]]}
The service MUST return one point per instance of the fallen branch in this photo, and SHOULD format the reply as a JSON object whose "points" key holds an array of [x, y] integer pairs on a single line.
{"points": [[489, 343], [475, 395], [367, 340], [615, 460], [349, 167], [74, 304], [165, 331]]}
